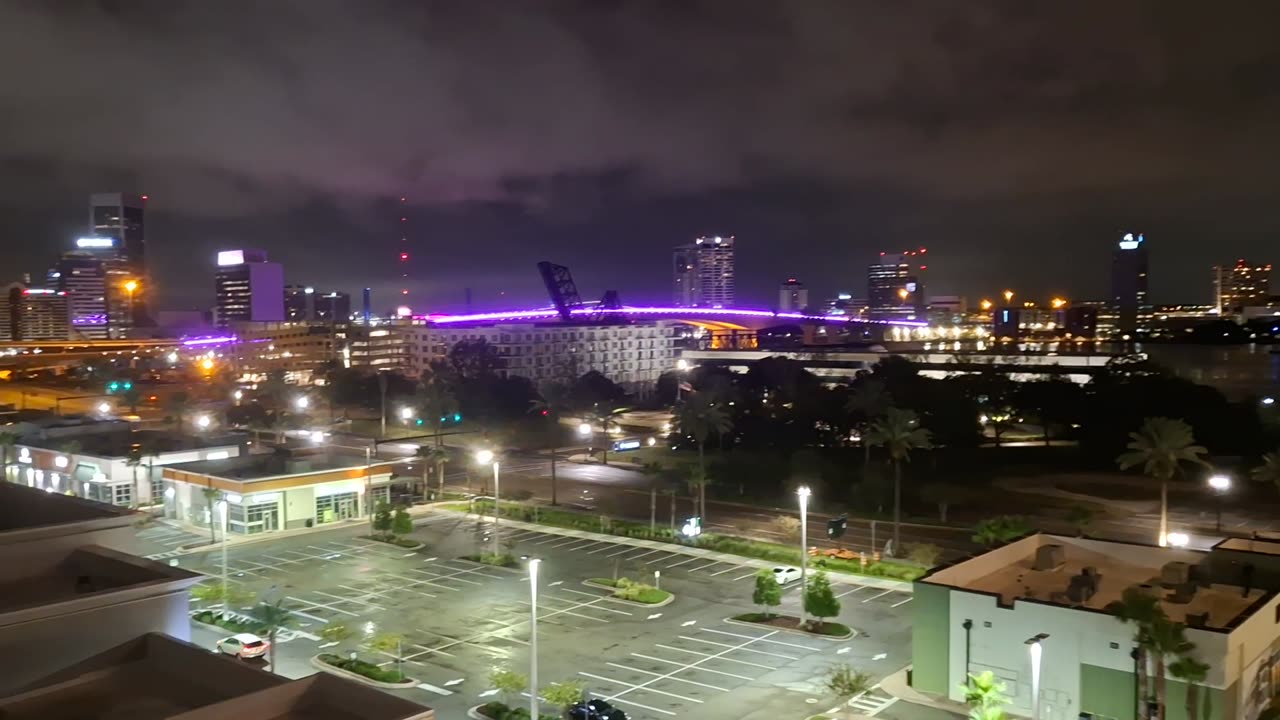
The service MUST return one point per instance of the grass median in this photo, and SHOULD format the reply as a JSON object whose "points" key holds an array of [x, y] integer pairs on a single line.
{"points": [[364, 668], [625, 589], [828, 628], [231, 623], [772, 552]]}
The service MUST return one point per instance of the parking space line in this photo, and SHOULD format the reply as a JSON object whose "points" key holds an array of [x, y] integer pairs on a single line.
{"points": [[630, 687], [699, 669], [903, 602], [744, 577], [744, 649], [313, 605], [682, 562], [742, 646], [704, 567], [673, 679], [731, 568], [855, 589], [550, 539], [640, 705], [359, 600], [753, 637], [607, 546], [722, 659], [572, 541], [873, 597]]}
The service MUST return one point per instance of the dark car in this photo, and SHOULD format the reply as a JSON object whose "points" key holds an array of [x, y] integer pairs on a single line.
{"points": [[595, 710]]}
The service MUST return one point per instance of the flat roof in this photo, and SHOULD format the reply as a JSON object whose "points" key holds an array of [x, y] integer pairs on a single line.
{"points": [[276, 464], [1009, 573], [154, 677], [24, 508], [115, 442], [1261, 546], [48, 578]]}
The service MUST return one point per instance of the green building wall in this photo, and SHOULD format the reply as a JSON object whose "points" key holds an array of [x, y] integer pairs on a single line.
{"points": [[1108, 693], [931, 639]]}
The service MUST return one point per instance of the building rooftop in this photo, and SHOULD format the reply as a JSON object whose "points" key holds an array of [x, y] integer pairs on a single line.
{"points": [[1055, 570], [277, 464], [155, 677], [115, 442], [23, 508], [56, 576]]}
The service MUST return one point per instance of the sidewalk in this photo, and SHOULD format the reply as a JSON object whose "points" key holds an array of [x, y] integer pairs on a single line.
{"points": [[896, 685], [867, 580]]}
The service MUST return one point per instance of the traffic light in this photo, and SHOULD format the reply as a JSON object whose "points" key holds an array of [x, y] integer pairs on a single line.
{"points": [[113, 386], [837, 525], [457, 417], [128, 385]]}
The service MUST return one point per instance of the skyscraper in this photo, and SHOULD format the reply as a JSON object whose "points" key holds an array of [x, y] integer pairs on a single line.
{"points": [[120, 216], [1129, 282], [703, 274], [83, 278], [248, 288], [28, 313], [333, 307], [297, 303], [1244, 285], [793, 296], [894, 289]]}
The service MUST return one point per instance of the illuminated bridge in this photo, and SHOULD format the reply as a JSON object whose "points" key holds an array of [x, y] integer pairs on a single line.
{"points": [[737, 318]]}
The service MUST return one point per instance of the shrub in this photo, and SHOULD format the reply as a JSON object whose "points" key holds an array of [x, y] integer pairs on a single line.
{"points": [[924, 554], [382, 518], [401, 523], [335, 632], [363, 668]]}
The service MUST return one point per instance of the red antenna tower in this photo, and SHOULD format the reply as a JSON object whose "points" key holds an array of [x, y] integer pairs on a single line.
{"points": [[403, 252]]}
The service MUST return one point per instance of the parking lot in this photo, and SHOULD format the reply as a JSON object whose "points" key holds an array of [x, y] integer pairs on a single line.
{"points": [[459, 619]]}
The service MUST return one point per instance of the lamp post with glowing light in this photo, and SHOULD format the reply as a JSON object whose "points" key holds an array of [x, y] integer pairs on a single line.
{"points": [[203, 422], [1220, 484], [487, 457], [803, 493], [1035, 650], [533, 636], [1008, 296], [129, 287], [223, 509], [586, 431], [406, 414]]}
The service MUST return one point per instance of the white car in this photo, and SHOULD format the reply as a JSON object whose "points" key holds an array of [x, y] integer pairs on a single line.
{"points": [[785, 575], [243, 646]]}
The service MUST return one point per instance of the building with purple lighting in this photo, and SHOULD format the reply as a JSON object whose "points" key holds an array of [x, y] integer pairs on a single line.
{"points": [[248, 288], [83, 278]]}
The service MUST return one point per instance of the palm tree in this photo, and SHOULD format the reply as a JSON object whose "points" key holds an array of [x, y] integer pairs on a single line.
{"points": [[868, 401], [212, 496], [1269, 470], [436, 402], [134, 460], [1161, 446], [701, 417], [552, 402], [606, 420], [1142, 610], [272, 618], [654, 471], [131, 396], [433, 459], [177, 406], [276, 390], [7, 441], [1192, 672], [899, 432], [1168, 638]]}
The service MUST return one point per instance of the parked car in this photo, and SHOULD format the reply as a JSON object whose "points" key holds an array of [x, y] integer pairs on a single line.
{"points": [[243, 646], [785, 575], [595, 710]]}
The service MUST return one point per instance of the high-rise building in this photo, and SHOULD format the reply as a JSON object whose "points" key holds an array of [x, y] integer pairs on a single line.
{"points": [[333, 307], [793, 296], [1129, 283], [120, 216], [83, 278], [703, 274], [1244, 285], [297, 302], [123, 285], [894, 289], [248, 288], [28, 313], [366, 304]]}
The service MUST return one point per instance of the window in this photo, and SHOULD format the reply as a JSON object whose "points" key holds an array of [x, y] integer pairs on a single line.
{"points": [[121, 494], [157, 488]]}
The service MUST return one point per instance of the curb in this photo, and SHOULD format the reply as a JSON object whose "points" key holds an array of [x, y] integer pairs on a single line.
{"points": [[517, 571], [671, 597], [406, 548], [326, 667], [852, 632]]}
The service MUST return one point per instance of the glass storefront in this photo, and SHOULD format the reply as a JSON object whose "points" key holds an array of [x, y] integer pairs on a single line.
{"points": [[339, 506]]}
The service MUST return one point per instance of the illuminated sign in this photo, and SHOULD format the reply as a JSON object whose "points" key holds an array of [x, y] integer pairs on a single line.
{"points": [[911, 287], [692, 527], [626, 445], [1130, 242], [95, 242], [231, 257]]}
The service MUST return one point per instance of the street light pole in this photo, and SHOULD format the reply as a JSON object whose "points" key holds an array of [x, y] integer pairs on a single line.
{"points": [[1220, 484], [485, 457], [803, 492], [368, 486], [224, 509], [533, 636], [1034, 648]]}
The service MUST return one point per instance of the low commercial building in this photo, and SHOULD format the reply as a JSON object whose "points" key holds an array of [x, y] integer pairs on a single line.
{"points": [[92, 459], [277, 491], [66, 594], [1038, 606]]}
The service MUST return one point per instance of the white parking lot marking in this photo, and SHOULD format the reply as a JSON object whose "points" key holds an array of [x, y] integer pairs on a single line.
{"points": [[674, 679], [744, 649], [695, 558], [873, 597], [731, 568], [855, 589], [699, 669], [753, 637], [645, 686], [903, 602], [630, 687]]}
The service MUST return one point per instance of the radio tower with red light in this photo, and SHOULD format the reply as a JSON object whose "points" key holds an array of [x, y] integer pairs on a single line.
{"points": [[403, 251]]}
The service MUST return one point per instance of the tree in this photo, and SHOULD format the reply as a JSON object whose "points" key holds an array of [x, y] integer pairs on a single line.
{"points": [[212, 594], [868, 402], [606, 419], [1142, 610], [1000, 529], [433, 459], [1056, 400], [1161, 446], [899, 432], [390, 643], [436, 402], [382, 518], [508, 682], [1192, 672], [552, 402], [844, 682], [1080, 517], [336, 632], [701, 417], [1168, 638], [177, 405], [924, 554], [133, 459], [564, 694], [212, 496], [768, 593], [985, 696], [788, 527], [401, 522], [271, 619], [819, 600], [595, 390], [1268, 471], [7, 441], [131, 396], [474, 359], [944, 495]]}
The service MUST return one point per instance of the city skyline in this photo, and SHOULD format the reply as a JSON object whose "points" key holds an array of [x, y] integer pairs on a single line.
{"points": [[1065, 135]]}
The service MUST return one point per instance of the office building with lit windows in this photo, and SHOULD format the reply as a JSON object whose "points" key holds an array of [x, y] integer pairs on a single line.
{"points": [[332, 307], [84, 280], [248, 288], [895, 288], [793, 296], [297, 303], [28, 313], [1244, 285], [1129, 284], [703, 273]]}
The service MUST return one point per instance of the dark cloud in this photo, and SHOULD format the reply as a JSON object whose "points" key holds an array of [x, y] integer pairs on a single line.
{"points": [[963, 119]]}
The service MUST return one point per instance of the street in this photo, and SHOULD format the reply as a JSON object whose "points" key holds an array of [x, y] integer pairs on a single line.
{"points": [[460, 619]]}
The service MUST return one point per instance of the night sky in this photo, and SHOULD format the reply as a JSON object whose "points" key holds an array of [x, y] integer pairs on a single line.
{"points": [[1015, 139]]}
